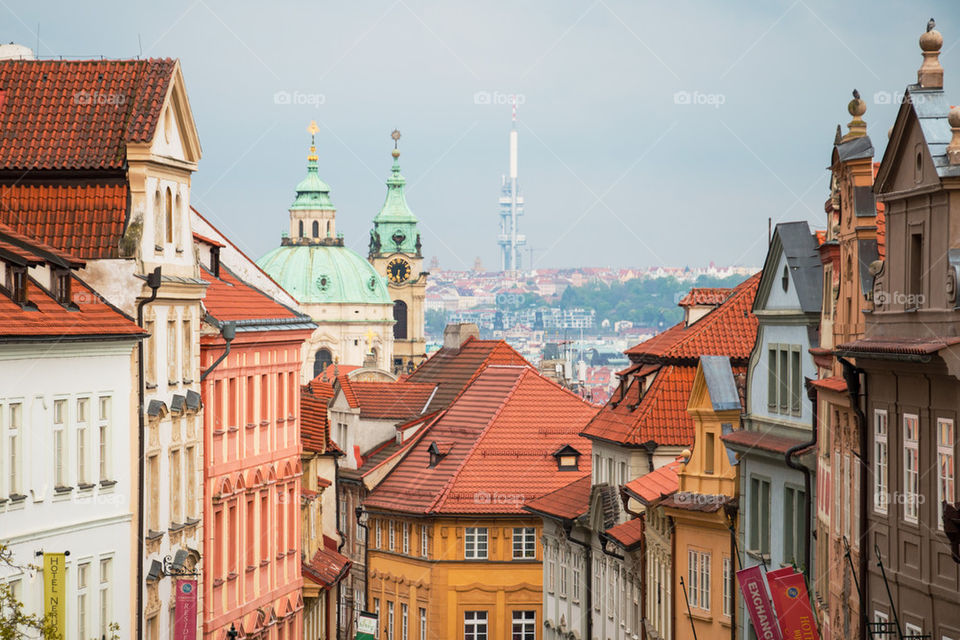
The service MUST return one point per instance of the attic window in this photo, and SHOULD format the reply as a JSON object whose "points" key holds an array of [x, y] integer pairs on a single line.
{"points": [[61, 286], [18, 284], [785, 280], [215, 261], [568, 458], [437, 453]]}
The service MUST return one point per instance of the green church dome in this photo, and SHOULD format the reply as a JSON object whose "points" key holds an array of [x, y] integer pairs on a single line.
{"points": [[320, 273]]}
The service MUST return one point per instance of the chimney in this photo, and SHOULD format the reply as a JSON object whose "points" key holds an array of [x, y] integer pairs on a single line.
{"points": [[953, 149], [456, 334], [930, 74]]}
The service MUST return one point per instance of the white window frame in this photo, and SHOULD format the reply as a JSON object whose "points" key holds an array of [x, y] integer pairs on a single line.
{"points": [[946, 473], [14, 413], [424, 542], [564, 563], [473, 539], [526, 538], [423, 623], [698, 577], [527, 619], [83, 440], [727, 586], [475, 625], [406, 538], [881, 461], [575, 591], [910, 629], [390, 620], [83, 601], [60, 444], [379, 544], [106, 578], [404, 622], [391, 534], [104, 411], [911, 472]]}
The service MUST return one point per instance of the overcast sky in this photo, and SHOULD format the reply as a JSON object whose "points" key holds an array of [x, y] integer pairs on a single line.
{"points": [[651, 133]]}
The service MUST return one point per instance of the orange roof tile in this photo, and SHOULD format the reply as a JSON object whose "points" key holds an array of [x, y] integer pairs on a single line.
{"points": [[833, 383], [85, 219], [327, 567], [656, 485], [78, 114], [387, 400], [566, 503], [628, 534], [230, 299], [453, 370], [499, 437], [314, 424]]}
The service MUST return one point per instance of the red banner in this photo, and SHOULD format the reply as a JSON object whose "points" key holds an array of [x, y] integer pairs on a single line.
{"points": [[757, 603], [185, 617], [789, 593]]}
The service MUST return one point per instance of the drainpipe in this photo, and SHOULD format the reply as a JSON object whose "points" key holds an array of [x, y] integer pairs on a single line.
{"points": [[851, 374], [588, 573], [229, 331], [153, 282], [366, 554]]}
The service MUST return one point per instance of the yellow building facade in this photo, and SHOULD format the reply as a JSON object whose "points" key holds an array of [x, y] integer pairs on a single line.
{"points": [[703, 509], [433, 590]]}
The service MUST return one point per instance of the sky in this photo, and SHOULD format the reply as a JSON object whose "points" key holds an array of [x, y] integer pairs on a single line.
{"points": [[651, 133]]}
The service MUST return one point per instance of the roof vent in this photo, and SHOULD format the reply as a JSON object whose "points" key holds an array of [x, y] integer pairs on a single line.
{"points": [[438, 452], [456, 334]]}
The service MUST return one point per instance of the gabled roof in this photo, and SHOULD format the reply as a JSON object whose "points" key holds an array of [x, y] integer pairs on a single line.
{"points": [[397, 400], [566, 503], [86, 219], [79, 114], [495, 442], [929, 108], [656, 485], [454, 369], [799, 248], [230, 299]]}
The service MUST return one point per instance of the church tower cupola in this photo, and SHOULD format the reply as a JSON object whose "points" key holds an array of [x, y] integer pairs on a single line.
{"points": [[312, 214], [395, 227]]}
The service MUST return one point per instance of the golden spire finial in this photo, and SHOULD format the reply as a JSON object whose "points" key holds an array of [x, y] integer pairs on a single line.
{"points": [[312, 130]]}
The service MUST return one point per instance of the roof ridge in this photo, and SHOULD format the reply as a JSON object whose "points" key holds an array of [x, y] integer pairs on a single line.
{"points": [[448, 485]]}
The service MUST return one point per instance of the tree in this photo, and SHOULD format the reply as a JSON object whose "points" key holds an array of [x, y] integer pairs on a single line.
{"points": [[14, 623]]}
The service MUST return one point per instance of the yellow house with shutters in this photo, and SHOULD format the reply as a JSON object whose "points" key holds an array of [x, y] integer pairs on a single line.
{"points": [[704, 508]]}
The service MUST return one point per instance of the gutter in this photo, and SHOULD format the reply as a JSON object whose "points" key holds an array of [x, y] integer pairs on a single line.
{"points": [[153, 281], [851, 373]]}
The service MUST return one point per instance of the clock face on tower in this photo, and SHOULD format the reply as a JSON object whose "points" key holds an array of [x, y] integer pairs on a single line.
{"points": [[398, 270]]}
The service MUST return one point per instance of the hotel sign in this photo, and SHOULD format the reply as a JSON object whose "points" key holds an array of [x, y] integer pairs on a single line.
{"points": [[54, 592]]}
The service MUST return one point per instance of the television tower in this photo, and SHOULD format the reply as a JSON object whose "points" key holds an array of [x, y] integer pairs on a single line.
{"points": [[511, 208]]}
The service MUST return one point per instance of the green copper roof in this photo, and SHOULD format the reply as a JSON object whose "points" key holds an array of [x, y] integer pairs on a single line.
{"points": [[325, 274], [395, 227], [312, 192]]}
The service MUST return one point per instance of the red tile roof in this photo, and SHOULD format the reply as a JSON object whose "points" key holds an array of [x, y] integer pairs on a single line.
{"points": [[327, 567], [314, 424], [833, 383], [499, 437], [231, 299], [453, 369], [78, 114], [86, 219], [747, 440], [700, 296], [628, 534], [656, 485], [387, 400], [209, 241], [34, 252], [566, 503]]}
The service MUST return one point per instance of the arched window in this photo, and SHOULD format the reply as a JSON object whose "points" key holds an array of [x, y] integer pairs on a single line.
{"points": [[316, 229], [400, 316], [301, 229], [158, 218], [321, 361], [169, 218]]}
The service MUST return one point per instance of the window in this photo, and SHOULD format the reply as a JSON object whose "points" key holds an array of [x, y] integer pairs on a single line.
{"points": [[423, 624], [916, 271], [187, 363], [391, 534], [82, 447], [61, 286], [727, 586], [911, 630], [759, 515], [881, 461], [103, 439], [911, 467], [15, 413], [406, 537], [404, 624], [474, 625], [168, 208], [321, 360], [795, 380], [772, 379], [563, 572], [172, 351], [475, 543], [551, 554], [597, 584], [59, 443], [400, 320], [794, 507], [708, 452], [424, 541], [847, 498], [524, 543], [300, 232], [784, 380], [698, 577], [191, 507], [106, 577], [524, 625], [576, 578], [379, 534], [83, 614], [390, 620], [176, 478], [18, 284], [945, 465]]}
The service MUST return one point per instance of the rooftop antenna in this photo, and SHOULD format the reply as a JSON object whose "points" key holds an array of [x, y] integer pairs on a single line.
{"points": [[140, 42]]}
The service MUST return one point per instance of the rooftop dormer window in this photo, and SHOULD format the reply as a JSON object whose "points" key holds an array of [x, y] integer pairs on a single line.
{"points": [[61, 286], [18, 284], [568, 458]]}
